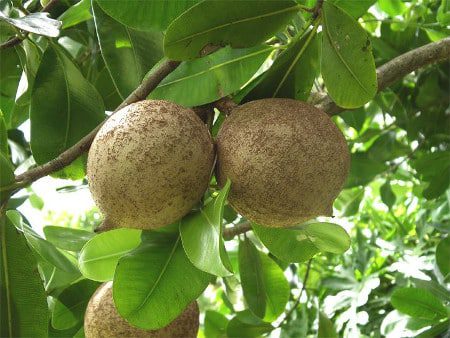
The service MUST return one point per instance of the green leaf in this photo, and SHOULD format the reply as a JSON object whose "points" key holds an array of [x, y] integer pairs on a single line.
{"points": [[67, 238], [247, 325], [442, 256], [30, 57], [46, 250], [348, 67], [3, 136], [392, 7], [38, 23], [264, 285], [76, 14], [215, 324], [354, 8], [157, 277], [241, 25], [205, 226], [438, 290], [387, 195], [434, 168], [54, 278], [71, 304], [145, 15], [326, 328], [60, 118], [128, 54], [36, 202], [207, 79], [23, 305], [418, 303], [349, 200], [99, 256], [363, 170], [293, 72], [443, 14], [7, 177], [300, 243]]}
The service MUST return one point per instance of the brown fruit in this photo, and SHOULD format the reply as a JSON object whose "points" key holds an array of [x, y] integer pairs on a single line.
{"points": [[149, 164], [102, 320], [286, 160]]}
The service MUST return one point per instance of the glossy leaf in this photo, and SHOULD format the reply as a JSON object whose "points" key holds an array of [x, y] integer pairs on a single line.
{"points": [[145, 15], [214, 76], [79, 109], [99, 256], [128, 54], [59, 118], [418, 303], [156, 275], [300, 243], [30, 57], [205, 226], [38, 23], [55, 279], [23, 305], [443, 255], [247, 325], [76, 14], [264, 285], [67, 238], [293, 72], [241, 25], [46, 250], [71, 304], [348, 67]]}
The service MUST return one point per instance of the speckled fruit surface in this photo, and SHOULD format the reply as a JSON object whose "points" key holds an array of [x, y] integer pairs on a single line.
{"points": [[102, 320], [286, 160], [149, 164]]}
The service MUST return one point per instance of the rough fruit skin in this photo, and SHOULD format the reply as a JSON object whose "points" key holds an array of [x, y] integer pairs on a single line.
{"points": [[102, 320], [286, 160], [149, 164]]}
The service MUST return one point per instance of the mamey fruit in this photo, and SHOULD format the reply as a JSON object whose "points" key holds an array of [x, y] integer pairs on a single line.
{"points": [[149, 164], [102, 320], [286, 160]]}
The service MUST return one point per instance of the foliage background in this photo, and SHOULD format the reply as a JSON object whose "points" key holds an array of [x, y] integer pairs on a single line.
{"points": [[392, 281]]}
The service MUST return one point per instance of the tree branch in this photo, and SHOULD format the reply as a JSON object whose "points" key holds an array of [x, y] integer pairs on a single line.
{"points": [[17, 40], [397, 68], [238, 229], [71, 154], [387, 74]]}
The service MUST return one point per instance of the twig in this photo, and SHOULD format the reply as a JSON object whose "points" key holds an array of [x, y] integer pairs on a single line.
{"points": [[238, 229], [397, 68], [297, 301], [71, 154], [17, 40]]}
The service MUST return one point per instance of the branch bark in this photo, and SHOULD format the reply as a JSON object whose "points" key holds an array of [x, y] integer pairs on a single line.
{"points": [[238, 229], [17, 40], [397, 68]]}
